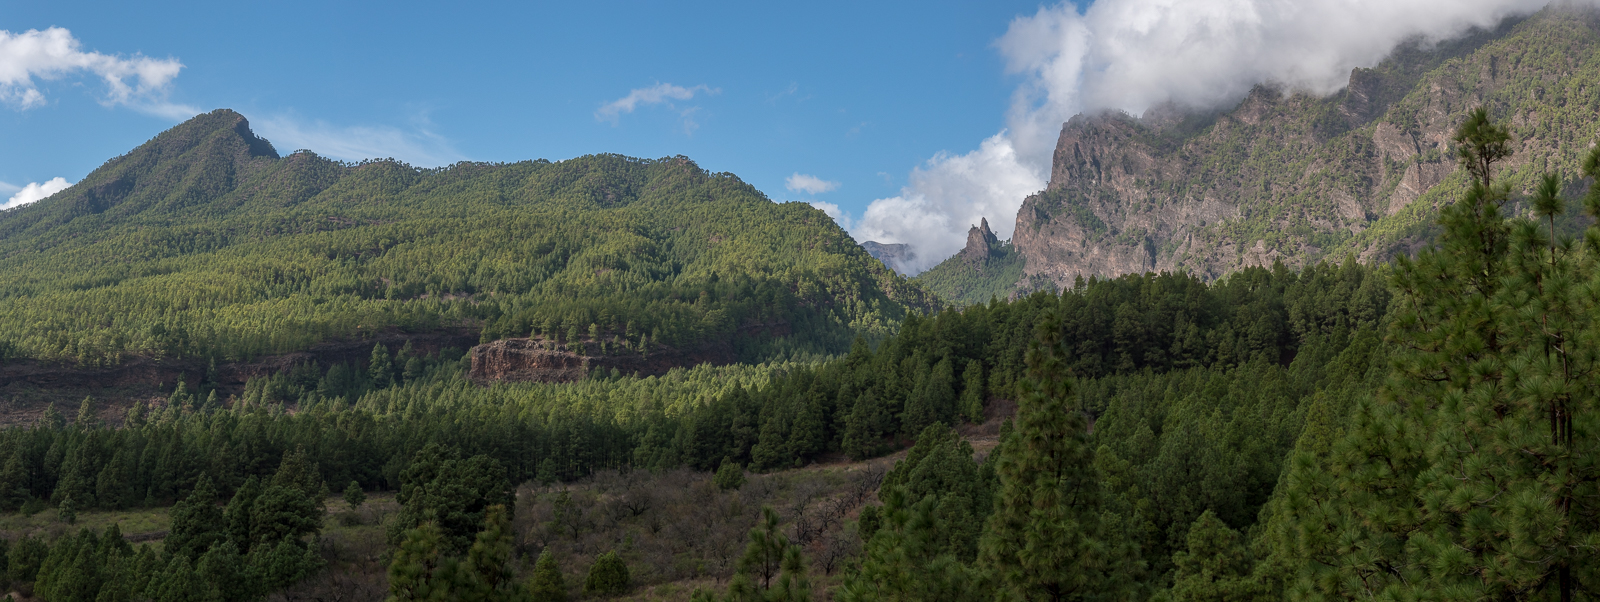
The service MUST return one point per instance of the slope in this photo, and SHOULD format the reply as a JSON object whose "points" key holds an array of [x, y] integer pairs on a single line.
{"points": [[1292, 177], [205, 243]]}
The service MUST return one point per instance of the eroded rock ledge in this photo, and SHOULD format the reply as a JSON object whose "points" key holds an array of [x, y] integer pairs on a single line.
{"points": [[545, 361]]}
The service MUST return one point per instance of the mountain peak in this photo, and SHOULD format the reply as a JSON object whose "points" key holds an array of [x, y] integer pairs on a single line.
{"points": [[194, 162], [226, 122], [981, 242]]}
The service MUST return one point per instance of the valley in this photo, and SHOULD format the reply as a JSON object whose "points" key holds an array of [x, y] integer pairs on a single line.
{"points": [[1308, 347]]}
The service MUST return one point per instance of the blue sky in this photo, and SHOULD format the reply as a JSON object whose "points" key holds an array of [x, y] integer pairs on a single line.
{"points": [[851, 93], [906, 121]]}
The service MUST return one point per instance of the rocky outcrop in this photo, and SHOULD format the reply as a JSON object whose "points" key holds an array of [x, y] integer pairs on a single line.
{"points": [[547, 361], [526, 360], [1099, 216], [897, 257], [982, 244], [1288, 176]]}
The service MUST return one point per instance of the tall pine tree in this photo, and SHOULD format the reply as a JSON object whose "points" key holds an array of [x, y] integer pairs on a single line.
{"points": [[1046, 539], [1473, 474]]}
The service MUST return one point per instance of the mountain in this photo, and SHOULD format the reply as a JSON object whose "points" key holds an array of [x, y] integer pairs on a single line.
{"points": [[986, 268], [1287, 176], [893, 255], [206, 245]]}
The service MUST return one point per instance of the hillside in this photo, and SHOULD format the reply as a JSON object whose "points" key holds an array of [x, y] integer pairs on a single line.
{"points": [[1293, 177], [206, 244], [985, 269]]}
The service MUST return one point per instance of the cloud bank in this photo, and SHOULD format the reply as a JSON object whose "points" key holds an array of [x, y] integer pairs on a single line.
{"points": [[809, 184], [1132, 55], [32, 192], [139, 82]]}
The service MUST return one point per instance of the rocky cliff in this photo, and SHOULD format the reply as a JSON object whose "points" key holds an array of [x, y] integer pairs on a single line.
{"points": [[982, 244], [548, 361], [1293, 177], [897, 257]]}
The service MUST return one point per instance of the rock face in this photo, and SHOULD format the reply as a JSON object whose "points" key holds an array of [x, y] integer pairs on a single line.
{"points": [[982, 244], [1097, 217], [545, 361], [526, 360], [1291, 177], [898, 257]]}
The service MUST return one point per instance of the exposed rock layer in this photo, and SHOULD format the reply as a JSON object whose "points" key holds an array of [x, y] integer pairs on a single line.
{"points": [[1292, 177], [545, 361]]}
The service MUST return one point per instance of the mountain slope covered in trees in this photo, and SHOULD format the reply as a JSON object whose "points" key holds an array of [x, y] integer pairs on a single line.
{"points": [[205, 243]]}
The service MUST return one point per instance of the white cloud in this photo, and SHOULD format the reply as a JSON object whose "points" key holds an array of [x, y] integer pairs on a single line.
{"points": [[839, 216], [8, 188], [139, 81], [33, 192], [418, 145], [948, 195], [808, 184], [1135, 54], [657, 94]]}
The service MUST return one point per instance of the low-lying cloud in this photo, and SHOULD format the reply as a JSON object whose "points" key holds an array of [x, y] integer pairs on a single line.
{"points": [[417, 145], [1131, 55], [809, 184], [32, 193], [139, 82]]}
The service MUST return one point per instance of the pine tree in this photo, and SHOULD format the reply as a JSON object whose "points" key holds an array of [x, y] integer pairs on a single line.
{"points": [[972, 392], [763, 556], [793, 584], [354, 496], [486, 574], [177, 583], [1216, 566], [1472, 474], [1046, 539], [236, 517], [730, 476], [908, 558], [196, 522], [25, 557], [87, 419], [441, 487], [380, 368], [222, 568], [418, 564], [282, 514], [51, 418], [608, 577], [67, 511], [547, 584]]}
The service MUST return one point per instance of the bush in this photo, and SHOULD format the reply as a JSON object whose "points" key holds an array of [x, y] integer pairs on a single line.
{"points": [[729, 476], [608, 576]]}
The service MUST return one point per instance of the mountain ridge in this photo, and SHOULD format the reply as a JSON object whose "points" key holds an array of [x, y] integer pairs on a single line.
{"points": [[1287, 176], [204, 242]]}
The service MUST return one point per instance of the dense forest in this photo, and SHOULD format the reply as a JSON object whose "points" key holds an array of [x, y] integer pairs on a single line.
{"points": [[1419, 430], [203, 243]]}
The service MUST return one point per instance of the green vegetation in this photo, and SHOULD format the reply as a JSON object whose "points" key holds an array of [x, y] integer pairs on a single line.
{"points": [[1199, 391], [203, 243], [1423, 430], [963, 282]]}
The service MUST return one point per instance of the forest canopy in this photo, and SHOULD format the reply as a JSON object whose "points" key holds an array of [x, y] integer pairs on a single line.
{"points": [[204, 243]]}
